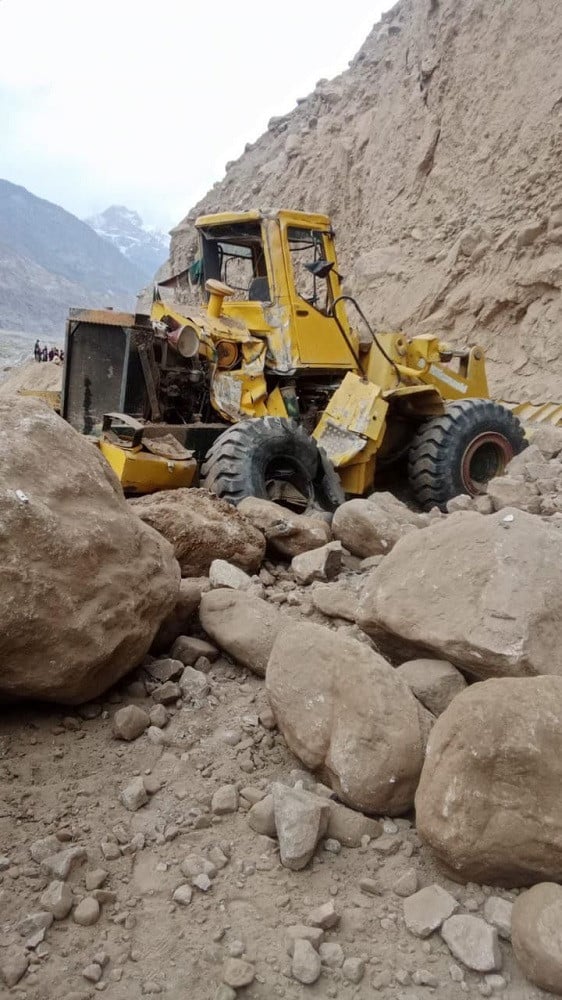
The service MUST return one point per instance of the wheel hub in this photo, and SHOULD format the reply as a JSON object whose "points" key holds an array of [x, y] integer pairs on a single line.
{"points": [[288, 483], [486, 456]]}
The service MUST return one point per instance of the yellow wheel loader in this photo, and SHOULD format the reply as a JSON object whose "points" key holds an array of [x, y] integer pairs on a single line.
{"points": [[266, 388]]}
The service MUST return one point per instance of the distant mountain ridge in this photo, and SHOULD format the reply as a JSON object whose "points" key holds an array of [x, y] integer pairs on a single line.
{"points": [[50, 261], [145, 247]]}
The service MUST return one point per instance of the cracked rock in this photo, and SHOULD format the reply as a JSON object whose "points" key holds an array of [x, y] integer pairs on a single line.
{"points": [[426, 910], [301, 819], [306, 965], [473, 942]]}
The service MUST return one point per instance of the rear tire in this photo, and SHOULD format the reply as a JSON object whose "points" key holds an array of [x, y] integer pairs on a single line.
{"points": [[461, 450], [272, 459]]}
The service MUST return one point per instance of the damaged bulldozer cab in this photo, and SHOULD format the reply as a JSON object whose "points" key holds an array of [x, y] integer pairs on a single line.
{"points": [[270, 341]]}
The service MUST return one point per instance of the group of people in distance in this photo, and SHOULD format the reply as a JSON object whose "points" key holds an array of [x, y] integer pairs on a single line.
{"points": [[45, 353]]}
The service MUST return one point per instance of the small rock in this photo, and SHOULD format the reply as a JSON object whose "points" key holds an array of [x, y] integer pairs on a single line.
{"points": [[237, 973], [195, 864], [496, 982], [35, 922], [217, 857], [261, 817], [44, 848], [87, 912], [183, 894], [236, 949], [95, 878], [225, 800], [188, 649], [225, 992], [93, 972], [110, 850], [202, 882], [165, 670], [353, 970], [456, 973], [387, 845], [156, 736], [152, 784], [167, 693], [426, 910], [60, 865], [335, 601], [422, 977], [130, 722], [306, 965], [473, 942], [134, 795], [301, 819], [57, 899], [332, 846], [224, 574], [434, 682], [194, 685], [406, 884], [497, 912], [298, 932], [267, 718], [158, 716], [349, 826], [324, 916], [371, 886], [4, 863], [318, 564], [13, 965], [331, 954]]}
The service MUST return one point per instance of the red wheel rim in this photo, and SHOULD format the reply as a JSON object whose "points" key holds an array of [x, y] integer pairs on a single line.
{"points": [[486, 456]]}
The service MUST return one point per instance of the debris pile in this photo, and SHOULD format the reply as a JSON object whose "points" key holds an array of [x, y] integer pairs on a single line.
{"points": [[289, 775]]}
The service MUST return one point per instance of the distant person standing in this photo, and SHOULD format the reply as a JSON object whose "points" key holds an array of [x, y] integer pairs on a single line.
{"points": [[51, 354], [44, 354], [37, 351]]}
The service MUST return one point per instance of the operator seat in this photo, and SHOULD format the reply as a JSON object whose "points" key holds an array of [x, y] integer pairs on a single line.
{"points": [[258, 290]]}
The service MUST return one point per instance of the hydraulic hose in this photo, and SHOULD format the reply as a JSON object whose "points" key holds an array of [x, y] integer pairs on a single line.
{"points": [[376, 341]]}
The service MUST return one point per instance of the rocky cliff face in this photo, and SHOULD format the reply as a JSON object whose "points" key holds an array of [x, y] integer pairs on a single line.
{"points": [[436, 154]]}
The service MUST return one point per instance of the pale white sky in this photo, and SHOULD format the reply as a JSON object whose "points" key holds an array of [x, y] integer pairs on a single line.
{"points": [[142, 103]]}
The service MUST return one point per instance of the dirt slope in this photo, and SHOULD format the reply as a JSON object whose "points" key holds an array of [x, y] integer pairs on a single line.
{"points": [[436, 155], [41, 377]]}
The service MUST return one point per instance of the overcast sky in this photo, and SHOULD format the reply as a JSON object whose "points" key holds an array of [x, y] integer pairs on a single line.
{"points": [[142, 103]]}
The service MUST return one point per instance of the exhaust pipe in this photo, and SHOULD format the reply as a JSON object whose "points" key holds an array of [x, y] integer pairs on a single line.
{"points": [[184, 340], [217, 292]]}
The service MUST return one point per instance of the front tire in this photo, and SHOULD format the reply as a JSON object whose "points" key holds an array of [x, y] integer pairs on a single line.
{"points": [[273, 459], [461, 450]]}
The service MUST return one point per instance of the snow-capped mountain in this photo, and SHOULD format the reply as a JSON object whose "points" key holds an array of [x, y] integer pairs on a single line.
{"points": [[49, 261], [145, 247]]}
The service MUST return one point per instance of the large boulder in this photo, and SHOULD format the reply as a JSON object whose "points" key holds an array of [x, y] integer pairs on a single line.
{"points": [[202, 528], [344, 712], [536, 930], [372, 527], [84, 584], [488, 801], [243, 626], [482, 592], [287, 534]]}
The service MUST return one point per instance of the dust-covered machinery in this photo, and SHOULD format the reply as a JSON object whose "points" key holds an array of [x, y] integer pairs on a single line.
{"points": [[264, 388]]}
